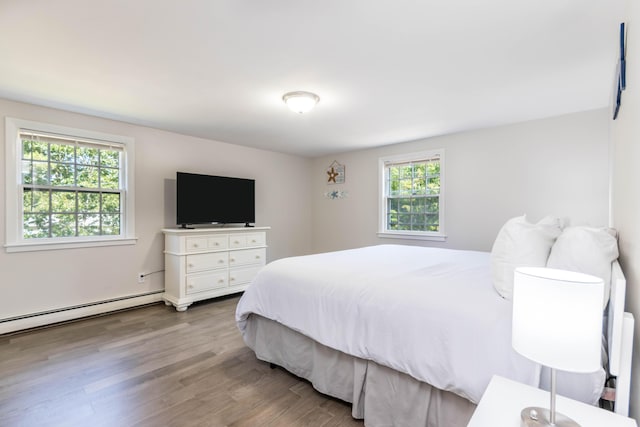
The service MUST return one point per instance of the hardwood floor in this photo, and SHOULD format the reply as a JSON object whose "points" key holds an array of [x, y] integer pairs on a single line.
{"points": [[153, 366]]}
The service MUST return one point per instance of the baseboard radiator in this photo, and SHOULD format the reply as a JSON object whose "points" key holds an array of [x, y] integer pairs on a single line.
{"points": [[45, 318]]}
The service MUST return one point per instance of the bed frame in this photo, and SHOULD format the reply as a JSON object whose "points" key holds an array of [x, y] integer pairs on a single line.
{"points": [[620, 326]]}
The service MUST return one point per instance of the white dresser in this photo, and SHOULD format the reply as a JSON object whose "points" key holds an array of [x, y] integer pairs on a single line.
{"points": [[210, 262]]}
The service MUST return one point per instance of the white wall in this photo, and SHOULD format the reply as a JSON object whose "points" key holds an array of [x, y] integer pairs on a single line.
{"points": [[554, 166], [625, 194], [47, 280]]}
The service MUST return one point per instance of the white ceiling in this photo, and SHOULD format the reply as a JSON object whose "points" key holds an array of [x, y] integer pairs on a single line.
{"points": [[387, 71]]}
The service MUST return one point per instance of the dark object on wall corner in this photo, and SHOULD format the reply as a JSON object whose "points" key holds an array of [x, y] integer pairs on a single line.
{"points": [[621, 78]]}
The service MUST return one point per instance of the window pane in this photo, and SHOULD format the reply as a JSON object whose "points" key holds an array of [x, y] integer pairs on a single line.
{"points": [[420, 170], [110, 158], [39, 150], [88, 202], [406, 172], [419, 186], [432, 222], [404, 205], [87, 177], [418, 205], [109, 178], [405, 187], [63, 225], [40, 173], [394, 187], [27, 148], [432, 204], [35, 200], [110, 224], [419, 227], [87, 156], [62, 174], [88, 225], [62, 153], [27, 175], [35, 226], [111, 202], [63, 201], [433, 168], [433, 185]]}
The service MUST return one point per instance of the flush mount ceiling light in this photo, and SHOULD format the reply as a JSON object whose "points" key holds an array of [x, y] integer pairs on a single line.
{"points": [[300, 101]]}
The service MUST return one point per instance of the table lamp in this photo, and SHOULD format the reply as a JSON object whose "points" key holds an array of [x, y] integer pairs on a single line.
{"points": [[557, 322]]}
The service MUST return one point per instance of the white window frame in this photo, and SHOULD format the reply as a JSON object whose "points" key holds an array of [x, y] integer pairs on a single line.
{"points": [[13, 201], [440, 235]]}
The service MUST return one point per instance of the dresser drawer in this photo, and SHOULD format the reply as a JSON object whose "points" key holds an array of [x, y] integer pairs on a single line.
{"points": [[208, 261], [203, 243], [247, 240], [196, 244], [218, 242], [247, 257], [239, 276], [205, 282]]}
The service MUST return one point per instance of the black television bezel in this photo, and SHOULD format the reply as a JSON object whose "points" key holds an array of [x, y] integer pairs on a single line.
{"points": [[214, 219]]}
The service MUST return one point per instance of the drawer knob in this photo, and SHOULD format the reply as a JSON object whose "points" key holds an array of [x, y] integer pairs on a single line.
{"points": [[221, 281], [190, 265], [216, 244], [236, 242], [253, 241], [233, 279], [220, 261], [190, 286], [257, 256], [232, 260], [195, 245]]}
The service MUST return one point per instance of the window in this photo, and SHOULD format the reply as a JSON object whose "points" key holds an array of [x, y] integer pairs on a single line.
{"points": [[411, 196], [67, 187]]}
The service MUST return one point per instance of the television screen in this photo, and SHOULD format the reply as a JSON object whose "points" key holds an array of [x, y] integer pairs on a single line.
{"points": [[207, 199]]}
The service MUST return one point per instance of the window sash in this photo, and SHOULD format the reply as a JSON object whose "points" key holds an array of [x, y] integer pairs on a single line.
{"points": [[411, 199], [57, 211], [116, 172]]}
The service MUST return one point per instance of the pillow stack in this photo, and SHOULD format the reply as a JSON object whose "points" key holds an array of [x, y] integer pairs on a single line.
{"points": [[520, 243]]}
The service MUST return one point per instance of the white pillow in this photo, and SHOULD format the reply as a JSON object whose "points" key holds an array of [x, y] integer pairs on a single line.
{"points": [[521, 244], [586, 250]]}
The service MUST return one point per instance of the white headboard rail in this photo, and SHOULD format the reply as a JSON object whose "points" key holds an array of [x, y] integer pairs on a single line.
{"points": [[620, 327], [615, 317]]}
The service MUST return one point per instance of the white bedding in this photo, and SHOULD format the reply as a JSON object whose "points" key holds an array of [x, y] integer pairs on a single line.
{"points": [[431, 313]]}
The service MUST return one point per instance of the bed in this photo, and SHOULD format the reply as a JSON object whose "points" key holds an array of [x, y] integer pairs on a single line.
{"points": [[386, 329]]}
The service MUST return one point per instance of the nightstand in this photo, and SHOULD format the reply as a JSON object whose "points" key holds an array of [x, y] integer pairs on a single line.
{"points": [[503, 400]]}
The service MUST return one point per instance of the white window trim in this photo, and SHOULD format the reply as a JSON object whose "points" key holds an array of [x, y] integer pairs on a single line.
{"points": [[14, 241], [438, 236]]}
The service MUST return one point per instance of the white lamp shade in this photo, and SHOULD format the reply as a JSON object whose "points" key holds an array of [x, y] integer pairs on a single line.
{"points": [[557, 318], [300, 101]]}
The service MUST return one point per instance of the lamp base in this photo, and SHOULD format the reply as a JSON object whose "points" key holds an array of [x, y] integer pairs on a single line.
{"points": [[541, 417]]}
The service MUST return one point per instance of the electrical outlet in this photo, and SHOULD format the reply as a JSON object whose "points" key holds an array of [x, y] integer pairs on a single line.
{"points": [[141, 277]]}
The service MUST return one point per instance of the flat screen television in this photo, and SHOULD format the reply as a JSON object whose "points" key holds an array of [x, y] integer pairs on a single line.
{"points": [[208, 199]]}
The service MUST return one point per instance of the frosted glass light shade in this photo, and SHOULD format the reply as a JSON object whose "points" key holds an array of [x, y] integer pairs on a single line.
{"points": [[300, 101], [557, 318]]}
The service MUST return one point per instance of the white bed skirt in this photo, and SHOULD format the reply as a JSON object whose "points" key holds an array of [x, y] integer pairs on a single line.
{"points": [[381, 396]]}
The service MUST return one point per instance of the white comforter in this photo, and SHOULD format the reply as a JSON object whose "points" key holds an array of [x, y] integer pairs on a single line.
{"points": [[431, 313]]}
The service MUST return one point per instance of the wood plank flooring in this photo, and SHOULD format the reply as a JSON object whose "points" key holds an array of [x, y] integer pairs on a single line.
{"points": [[153, 366]]}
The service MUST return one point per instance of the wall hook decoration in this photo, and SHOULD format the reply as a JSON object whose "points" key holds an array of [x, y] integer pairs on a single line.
{"points": [[335, 173], [336, 194]]}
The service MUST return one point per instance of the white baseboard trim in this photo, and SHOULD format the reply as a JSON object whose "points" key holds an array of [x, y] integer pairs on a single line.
{"points": [[48, 318]]}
